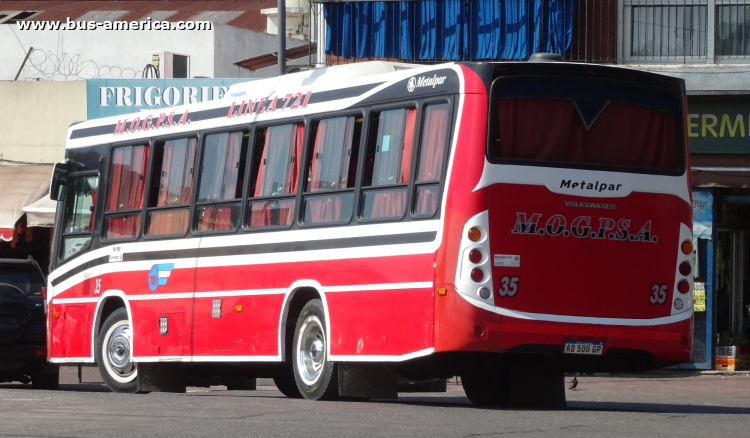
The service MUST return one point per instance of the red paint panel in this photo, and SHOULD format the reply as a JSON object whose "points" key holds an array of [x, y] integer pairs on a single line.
{"points": [[587, 269], [146, 316], [74, 330], [251, 331], [393, 322]]}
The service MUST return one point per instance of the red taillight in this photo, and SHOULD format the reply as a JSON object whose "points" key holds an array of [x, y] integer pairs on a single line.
{"points": [[683, 286], [475, 256], [685, 268], [477, 275], [44, 293]]}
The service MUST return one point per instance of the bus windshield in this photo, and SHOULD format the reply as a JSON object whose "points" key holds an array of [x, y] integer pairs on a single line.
{"points": [[591, 124]]}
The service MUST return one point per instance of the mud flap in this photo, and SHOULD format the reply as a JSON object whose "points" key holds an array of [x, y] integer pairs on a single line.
{"points": [[367, 380], [161, 377]]}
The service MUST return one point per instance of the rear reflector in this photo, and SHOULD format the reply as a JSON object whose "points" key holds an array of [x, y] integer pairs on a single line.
{"points": [[683, 286]]}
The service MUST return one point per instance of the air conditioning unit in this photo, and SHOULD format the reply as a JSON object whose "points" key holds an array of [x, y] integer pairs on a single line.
{"points": [[171, 65]]}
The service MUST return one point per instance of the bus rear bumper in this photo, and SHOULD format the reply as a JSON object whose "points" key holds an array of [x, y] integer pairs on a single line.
{"points": [[626, 348]]}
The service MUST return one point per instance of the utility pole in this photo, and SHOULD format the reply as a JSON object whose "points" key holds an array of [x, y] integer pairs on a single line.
{"points": [[281, 5]]}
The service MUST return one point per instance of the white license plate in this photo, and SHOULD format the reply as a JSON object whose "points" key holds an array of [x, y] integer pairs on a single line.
{"points": [[584, 347]]}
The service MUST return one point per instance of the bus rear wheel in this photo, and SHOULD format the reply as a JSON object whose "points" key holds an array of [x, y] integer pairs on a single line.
{"points": [[315, 375], [113, 353], [484, 389]]}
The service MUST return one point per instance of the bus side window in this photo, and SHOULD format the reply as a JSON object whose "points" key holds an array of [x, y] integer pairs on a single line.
{"points": [[430, 160], [171, 187], [273, 180], [78, 222], [122, 217], [332, 165], [388, 162], [222, 175]]}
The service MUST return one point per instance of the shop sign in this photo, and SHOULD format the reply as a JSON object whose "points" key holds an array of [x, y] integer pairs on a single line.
{"points": [[719, 126], [699, 297], [703, 202], [110, 97]]}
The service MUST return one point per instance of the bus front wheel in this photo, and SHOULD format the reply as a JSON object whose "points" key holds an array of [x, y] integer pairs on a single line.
{"points": [[315, 375], [113, 353]]}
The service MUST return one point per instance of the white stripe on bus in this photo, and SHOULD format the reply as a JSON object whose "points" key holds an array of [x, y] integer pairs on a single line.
{"points": [[250, 239]]}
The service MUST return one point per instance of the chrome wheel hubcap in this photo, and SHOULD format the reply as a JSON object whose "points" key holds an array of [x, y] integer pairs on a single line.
{"points": [[118, 351], [311, 350]]}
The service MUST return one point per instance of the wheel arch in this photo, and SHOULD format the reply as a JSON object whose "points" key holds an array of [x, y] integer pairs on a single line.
{"points": [[109, 301], [297, 295]]}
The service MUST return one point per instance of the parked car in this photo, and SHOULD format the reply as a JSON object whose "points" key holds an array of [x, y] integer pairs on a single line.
{"points": [[23, 328]]}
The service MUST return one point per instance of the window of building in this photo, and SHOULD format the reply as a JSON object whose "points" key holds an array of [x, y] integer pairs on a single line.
{"points": [[78, 223], [685, 30], [222, 174], [275, 168], [733, 29], [430, 160], [332, 165], [387, 164], [122, 217], [666, 30], [171, 187]]}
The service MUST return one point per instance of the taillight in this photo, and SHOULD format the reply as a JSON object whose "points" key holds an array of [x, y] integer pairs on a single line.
{"points": [[686, 247], [474, 234], [44, 293], [685, 268], [683, 286], [477, 275], [475, 256]]}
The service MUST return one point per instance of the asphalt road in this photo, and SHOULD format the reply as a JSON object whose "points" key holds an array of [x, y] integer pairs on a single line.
{"points": [[669, 405]]}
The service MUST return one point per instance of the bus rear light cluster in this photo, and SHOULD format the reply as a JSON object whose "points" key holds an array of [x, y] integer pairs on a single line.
{"points": [[474, 271], [682, 299]]}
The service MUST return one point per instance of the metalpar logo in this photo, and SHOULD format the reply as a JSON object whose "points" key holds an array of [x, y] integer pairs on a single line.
{"points": [[424, 81]]}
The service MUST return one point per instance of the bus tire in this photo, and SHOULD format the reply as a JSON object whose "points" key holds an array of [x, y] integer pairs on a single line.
{"points": [[483, 389], [316, 376], [113, 353]]}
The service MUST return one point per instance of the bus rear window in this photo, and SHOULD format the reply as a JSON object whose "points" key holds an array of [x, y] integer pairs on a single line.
{"points": [[589, 125]]}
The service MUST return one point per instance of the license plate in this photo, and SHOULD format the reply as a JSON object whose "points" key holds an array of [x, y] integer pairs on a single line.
{"points": [[584, 347]]}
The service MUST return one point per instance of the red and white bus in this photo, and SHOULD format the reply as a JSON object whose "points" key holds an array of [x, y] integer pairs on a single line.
{"points": [[338, 229]]}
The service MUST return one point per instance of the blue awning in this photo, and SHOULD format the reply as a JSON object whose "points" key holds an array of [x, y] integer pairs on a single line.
{"points": [[448, 30]]}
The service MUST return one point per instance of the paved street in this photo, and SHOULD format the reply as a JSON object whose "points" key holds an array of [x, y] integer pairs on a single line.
{"points": [[618, 406]]}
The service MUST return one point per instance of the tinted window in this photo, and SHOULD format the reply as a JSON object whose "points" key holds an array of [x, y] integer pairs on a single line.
{"points": [[172, 186], [128, 179], [590, 124], [26, 278], [79, 215], [276, 159]]}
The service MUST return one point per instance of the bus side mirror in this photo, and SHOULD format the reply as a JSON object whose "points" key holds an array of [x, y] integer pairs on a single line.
{"points": [[58, 187]]}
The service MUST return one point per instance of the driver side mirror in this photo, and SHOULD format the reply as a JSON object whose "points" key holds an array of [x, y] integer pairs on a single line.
{"points": [[58, 187]]}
